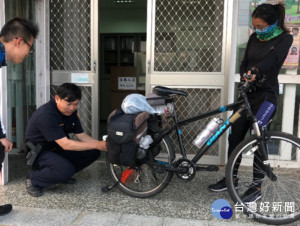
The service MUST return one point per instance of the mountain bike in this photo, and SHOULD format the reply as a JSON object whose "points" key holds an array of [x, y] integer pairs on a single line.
{"points": [[274, 155]]}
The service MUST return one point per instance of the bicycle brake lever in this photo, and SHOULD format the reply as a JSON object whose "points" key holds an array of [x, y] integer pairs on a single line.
{"points": [[245, 86]]}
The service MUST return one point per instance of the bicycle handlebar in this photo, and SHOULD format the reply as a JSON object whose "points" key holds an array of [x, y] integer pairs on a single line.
{"points": [[255, 72], [257, 82]]}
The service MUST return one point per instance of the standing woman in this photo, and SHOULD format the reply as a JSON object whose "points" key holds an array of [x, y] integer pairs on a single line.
{"points": [[265, 53]]}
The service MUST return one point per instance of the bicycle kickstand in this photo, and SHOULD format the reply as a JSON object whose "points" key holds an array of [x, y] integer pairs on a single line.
{"points": [[107, 188]]}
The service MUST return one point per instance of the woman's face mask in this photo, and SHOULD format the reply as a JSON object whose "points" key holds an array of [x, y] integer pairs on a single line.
{"points": [[258, 26]]}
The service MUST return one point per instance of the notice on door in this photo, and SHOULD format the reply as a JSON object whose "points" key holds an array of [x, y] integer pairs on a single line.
{"points": [[80, 78], [127, 83]]}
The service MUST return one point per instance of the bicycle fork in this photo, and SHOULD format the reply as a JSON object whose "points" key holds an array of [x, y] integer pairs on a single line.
{"points": [[262, 141], [262, 145], [260, 133]]}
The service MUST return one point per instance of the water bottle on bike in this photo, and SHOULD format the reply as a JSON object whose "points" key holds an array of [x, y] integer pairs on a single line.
{"points": [[209, 130]]}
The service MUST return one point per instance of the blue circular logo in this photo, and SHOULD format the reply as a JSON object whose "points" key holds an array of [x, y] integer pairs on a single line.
{"points": [[221, 209]]}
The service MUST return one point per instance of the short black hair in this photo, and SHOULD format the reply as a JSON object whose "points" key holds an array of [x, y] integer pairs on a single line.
{"points": [[19, 27], [69, 92]]}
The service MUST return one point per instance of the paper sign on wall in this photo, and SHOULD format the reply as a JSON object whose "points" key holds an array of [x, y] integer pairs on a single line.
{"points": [[80, 78], [126, 82]]}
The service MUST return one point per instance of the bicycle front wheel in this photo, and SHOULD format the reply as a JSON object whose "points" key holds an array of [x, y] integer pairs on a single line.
{"points": [[267, 201], [146, 180]]}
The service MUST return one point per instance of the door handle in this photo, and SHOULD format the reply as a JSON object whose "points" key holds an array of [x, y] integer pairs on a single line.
{"points": [[95, 64]]}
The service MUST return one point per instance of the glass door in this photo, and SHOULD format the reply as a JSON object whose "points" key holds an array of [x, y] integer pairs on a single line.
{"points": [[20, 80], [18, 85]]}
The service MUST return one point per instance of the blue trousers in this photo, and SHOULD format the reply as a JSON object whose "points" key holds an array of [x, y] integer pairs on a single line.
{"points": [[55, 167]]}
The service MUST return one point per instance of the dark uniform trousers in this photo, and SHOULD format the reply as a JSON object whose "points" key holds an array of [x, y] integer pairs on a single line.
{"points": [[54, 167], [2, 155]]}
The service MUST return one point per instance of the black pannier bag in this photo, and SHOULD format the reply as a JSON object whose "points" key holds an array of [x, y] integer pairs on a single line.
{"points": [[155, 120], [124, 134], [154, 130]]}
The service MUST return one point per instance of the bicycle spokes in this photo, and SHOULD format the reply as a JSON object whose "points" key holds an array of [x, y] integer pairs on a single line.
{"points": [[268, 188]]}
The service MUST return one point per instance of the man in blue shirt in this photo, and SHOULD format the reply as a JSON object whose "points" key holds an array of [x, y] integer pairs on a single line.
{"points": [[16, 42], [61, 157]]}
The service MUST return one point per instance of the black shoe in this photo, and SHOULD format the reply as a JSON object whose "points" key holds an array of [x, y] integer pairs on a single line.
{"points": [[221, 185], [5, 209], [252, 194], [33, 190], [70, 181]]}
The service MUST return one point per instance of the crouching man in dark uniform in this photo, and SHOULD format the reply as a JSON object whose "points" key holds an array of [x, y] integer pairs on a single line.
{"points": [[50, 126]]}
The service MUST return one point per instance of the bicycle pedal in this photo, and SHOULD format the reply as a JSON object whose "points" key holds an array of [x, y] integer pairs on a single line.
{"points": [[208, 168]]}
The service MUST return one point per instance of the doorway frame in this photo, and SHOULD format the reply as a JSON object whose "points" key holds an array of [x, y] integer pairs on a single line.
{"points": [[223, 80]]}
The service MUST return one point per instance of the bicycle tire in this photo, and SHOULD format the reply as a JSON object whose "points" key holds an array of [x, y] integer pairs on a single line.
{"points": [[150, 181], [283, 151]]}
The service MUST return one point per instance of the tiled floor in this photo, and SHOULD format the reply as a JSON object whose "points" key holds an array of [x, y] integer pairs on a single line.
{"points": [[85, 204]]}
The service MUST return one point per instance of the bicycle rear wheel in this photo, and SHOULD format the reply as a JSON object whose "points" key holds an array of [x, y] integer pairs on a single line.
{"points": [[278, 202], [145, 181]]}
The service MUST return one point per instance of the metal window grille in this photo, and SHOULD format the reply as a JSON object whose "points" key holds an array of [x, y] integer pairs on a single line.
{"points": [[70, 35], [197, 101], [188, 35], [84, 109]]}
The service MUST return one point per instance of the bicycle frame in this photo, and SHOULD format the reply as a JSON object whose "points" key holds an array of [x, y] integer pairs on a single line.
{"points": [[240, 106], [178, 124]]}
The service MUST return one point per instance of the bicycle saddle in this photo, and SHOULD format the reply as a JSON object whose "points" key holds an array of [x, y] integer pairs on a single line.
{"points": [[163, 91]]}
